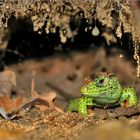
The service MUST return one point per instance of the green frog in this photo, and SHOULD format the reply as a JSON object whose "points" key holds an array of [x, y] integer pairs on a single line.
{"points": [[103, 90]]}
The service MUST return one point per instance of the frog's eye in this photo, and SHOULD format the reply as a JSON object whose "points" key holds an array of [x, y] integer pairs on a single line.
{"points": [[101, 82]]}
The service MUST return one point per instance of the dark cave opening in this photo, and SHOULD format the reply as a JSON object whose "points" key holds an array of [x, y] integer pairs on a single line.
{"points": [[24, 43]]}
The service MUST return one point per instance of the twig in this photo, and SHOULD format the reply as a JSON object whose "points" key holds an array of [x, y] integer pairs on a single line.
{"points": [[12, 114], [31, 102], [116, 112], [127, 112]]}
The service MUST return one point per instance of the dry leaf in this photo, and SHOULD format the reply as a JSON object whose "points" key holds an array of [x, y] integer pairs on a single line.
{"points": [[49, 97], [10, 104], [9, 108]]}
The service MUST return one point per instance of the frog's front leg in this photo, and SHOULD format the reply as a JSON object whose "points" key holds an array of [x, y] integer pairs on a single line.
{"points": [[84, 102], [82, 109], [128, 97], [80, 105]]}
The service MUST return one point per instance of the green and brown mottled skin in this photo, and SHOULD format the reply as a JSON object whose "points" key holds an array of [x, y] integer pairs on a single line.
{"points": [[103, 90]]}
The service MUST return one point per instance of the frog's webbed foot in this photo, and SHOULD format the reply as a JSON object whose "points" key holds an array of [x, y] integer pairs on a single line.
{"points": [[129, 97]]}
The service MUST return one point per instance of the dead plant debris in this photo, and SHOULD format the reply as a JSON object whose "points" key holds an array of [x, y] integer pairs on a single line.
{"points": [[9, 108]]}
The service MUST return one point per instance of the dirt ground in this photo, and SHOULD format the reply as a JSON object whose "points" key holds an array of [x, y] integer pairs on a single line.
{"points": [[63, 74]]}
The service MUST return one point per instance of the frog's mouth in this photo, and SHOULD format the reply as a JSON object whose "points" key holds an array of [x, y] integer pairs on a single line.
{"points": [[98, 96], [101, 98], [95, 95]]}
